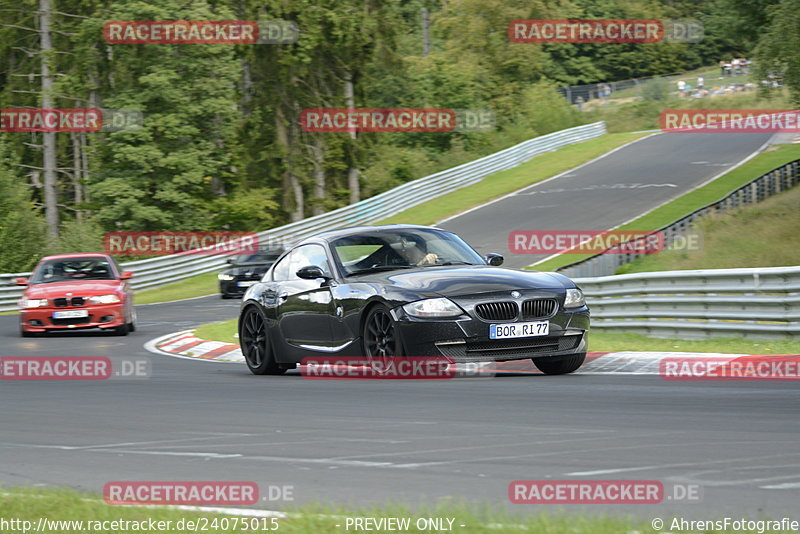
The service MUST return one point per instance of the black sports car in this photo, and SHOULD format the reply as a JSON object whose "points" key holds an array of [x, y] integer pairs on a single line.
{"points": [[245, 270], [401, 290]]}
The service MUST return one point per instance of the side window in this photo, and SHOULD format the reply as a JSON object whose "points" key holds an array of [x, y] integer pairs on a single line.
{"points": [[281, 270], [308, 255]]}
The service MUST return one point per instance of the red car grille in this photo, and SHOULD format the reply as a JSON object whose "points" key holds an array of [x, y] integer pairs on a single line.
{"points": [[63, 302]]}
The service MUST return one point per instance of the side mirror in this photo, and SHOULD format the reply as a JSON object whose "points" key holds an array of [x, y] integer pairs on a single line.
{"points": [[310, 272], [21, 281], [126, 275], [495, 260]]}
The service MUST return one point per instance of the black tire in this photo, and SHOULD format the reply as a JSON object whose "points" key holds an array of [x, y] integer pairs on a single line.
{"points": [[121, 330], [254, 341], [132, 324], [559, 365], [23, 333], [379, 336]]}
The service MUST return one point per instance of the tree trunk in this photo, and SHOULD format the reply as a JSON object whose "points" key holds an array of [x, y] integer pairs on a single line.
{"points": [[318, 156], [292, 190], [49, 138], [352, 171], [77, 174]]}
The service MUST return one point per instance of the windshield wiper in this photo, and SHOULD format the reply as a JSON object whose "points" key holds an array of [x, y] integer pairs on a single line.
{"points": [[377, 268], [454, 262]]}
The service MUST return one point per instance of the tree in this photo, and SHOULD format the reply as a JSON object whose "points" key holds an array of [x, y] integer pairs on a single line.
{"points": [[778, 51]]}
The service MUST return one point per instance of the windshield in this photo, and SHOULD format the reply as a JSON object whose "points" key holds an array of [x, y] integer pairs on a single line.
{"points": [[399, 249], [71, 269]]}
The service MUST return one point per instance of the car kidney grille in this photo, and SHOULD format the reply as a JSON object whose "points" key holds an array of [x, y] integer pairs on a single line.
{"points": [[62, 302], [538, 308], [497, 311]]}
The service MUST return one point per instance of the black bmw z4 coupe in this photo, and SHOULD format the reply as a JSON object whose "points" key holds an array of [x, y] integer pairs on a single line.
{"points": [[404, 290]]}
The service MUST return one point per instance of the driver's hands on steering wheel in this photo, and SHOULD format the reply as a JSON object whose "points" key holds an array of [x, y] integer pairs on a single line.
{"points": [[429, 259]]}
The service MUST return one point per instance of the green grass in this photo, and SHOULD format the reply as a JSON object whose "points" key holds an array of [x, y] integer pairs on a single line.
{"points": [[759, 235], [196, 286], [496, 185], [65, 505], [618, 341], [221, 331], [773, 157]]}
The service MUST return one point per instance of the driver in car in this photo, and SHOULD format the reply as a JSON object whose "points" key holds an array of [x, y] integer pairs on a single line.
{"points": [[417, 254]]}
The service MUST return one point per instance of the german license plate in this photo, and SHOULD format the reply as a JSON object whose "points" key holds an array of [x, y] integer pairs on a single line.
{"points": [[512, 330], [246, 284], [70, 314]]}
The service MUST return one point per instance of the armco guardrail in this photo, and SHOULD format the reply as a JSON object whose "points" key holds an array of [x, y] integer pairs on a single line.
{"points": [[764, 186], [165, 269], [758, 303]]}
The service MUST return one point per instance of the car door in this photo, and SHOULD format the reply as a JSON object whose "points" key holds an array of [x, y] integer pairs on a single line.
{"points": [[305, 308]]}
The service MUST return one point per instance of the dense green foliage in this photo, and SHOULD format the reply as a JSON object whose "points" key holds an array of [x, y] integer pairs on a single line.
{"points": [[221, 147]]}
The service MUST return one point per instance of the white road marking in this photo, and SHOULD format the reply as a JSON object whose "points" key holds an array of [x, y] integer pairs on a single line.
{"points": [[786, 485]]}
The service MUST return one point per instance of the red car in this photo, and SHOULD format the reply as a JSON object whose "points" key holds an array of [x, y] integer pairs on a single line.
{"points": [[77, 291]]}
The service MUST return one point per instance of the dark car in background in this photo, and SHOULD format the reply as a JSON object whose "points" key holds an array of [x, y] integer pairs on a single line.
{"points": [[246, 270], [401, 290]]}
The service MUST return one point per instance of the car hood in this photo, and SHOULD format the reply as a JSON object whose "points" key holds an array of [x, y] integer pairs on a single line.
{"points": [[467, 280], [84, 288]]}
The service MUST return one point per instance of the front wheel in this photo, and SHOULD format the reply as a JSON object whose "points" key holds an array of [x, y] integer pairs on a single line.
{"points": [[380, 336], [132, 324], [559, 365], [121, 330], [254, 341]]}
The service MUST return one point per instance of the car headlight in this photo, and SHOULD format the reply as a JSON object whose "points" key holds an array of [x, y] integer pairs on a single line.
{"points": [[574, 299], [440, 307], [32, 303], [224, 276], [104, 299]]}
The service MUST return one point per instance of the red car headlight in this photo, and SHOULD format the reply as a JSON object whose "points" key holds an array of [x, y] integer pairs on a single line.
{"points": [[32, 303], [104, 299]]}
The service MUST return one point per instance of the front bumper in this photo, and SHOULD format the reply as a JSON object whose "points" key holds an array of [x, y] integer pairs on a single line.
{"points": [[99, 316], [466, 339]]}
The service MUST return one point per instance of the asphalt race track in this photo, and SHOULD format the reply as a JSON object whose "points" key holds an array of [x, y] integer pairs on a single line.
{"points": [[607, 192], [373, 442]]}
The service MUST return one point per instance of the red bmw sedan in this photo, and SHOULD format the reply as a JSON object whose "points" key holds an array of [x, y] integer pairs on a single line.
{"points": [[77, 291]]}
